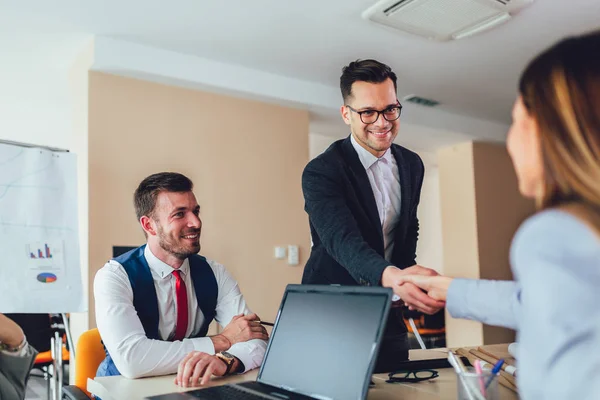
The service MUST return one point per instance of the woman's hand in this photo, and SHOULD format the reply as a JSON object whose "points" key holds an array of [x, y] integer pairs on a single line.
{"points": [[435, 286]]}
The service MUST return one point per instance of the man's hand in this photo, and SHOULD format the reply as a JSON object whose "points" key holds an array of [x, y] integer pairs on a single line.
{"points": [[243, 328], [198, 365], [411, 294], [435, 286]]}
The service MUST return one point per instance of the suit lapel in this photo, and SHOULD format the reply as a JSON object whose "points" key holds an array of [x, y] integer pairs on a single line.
{"points": [[363, 186], [405, 199]]}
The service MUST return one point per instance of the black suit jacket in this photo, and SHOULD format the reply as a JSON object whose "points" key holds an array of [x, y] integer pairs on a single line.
{"points": [[344, 222]]}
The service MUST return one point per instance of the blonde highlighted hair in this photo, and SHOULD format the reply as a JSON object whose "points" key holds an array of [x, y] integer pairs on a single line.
{"points": [[561, 90]]}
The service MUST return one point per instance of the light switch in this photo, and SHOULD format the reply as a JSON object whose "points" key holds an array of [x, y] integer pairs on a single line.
{"points": [[279, 252], [293, 258]]}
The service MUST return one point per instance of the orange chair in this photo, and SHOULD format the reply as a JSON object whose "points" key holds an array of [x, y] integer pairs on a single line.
{"points": [[89, 355]]}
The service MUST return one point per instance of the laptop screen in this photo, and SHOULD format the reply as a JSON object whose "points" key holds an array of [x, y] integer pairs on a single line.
{"points": [[324, 341]]}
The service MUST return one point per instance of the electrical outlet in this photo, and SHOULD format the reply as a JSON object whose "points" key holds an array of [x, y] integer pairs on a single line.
{"points": [[293, 258]]}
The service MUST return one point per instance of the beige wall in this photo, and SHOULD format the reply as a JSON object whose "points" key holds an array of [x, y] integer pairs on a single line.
{"points": [[245, 158], [481, 210]]}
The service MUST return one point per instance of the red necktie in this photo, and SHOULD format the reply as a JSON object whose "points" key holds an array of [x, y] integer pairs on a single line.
{"points": [[182, 307]]}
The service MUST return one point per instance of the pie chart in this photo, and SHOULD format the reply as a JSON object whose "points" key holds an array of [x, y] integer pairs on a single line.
{"points": [[46, 277]]}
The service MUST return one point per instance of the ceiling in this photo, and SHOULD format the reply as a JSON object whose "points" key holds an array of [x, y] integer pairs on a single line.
{"points": [[311, 40]]}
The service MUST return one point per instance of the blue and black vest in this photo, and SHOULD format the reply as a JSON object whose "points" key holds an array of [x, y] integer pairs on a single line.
{"points": [[146, 302]]}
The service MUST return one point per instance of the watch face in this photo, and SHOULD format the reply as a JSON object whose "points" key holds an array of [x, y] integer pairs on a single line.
{"points": [[227, 355]]}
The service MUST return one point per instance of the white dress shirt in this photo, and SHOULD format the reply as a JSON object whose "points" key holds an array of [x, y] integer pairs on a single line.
{"points": [[133, 353], [384, 177]]}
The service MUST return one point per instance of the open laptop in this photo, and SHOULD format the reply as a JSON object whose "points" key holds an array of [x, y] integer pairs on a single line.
{"points": [[323, 346]]}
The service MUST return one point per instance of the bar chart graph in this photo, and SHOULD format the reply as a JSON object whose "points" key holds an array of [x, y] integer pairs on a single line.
{"points": [[39, 253], [46, 260]]}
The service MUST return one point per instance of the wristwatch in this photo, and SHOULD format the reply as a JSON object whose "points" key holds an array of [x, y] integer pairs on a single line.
{"points": [[228, 359]]}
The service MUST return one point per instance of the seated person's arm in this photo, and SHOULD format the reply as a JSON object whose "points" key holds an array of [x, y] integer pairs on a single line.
{"points": [[123, 335], [492, 302], [11, 334], [249, 344], [16, 359], [243, 336]]}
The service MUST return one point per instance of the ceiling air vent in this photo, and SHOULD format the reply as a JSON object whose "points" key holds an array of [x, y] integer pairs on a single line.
{"points": [[422, 101], [443, 19]]}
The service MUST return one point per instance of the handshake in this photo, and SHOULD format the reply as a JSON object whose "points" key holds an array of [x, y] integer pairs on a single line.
{"points": [[421, 289]]}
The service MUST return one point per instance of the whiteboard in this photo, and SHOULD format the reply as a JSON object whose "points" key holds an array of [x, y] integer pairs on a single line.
{"points": [[39, 240]]}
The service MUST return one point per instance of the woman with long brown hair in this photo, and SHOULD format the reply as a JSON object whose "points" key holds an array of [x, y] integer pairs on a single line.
{"points": [[554, 302]]}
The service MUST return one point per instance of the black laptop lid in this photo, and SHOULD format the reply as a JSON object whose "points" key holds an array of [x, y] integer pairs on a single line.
{"points": [[326, 339]]}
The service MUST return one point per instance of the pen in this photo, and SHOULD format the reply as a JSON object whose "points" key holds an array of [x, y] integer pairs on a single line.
{"points": [[495, 371], [266, 323]]}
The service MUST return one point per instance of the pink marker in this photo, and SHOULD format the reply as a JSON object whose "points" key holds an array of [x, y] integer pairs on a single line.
{"points": [[479, 371]]}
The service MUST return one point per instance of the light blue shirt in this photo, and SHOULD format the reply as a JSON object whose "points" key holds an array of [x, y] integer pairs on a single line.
{"points": [[554, 304]]}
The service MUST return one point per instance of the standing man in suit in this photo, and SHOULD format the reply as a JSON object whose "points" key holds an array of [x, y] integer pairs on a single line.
{"points": [[16, 360], [361, 196]]}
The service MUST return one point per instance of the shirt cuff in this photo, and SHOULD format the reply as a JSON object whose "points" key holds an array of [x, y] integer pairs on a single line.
{"points": [[248, 353], [374, 273], [203, 344]]}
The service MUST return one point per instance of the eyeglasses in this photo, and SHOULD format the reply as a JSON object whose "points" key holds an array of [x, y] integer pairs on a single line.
{"points": [[371, 116], [412, 376]]}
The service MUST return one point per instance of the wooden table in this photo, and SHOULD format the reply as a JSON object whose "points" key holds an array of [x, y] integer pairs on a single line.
{"points": [[443, 387]]}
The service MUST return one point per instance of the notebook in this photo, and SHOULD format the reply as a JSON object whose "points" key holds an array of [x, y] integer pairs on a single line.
{"points": [[323, 346]]}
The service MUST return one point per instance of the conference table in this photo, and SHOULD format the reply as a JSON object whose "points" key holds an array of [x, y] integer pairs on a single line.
{"points": [[442, 387]]}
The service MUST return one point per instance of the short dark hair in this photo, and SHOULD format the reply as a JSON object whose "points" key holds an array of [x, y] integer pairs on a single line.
{"points": [[144, 198], [366, 71]]}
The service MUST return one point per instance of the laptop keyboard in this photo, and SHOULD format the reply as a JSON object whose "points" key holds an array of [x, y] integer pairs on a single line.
{"points": [[223, 393]]}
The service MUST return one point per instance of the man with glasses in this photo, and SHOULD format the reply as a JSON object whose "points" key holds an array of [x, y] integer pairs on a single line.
{"points": [[361, 196]]}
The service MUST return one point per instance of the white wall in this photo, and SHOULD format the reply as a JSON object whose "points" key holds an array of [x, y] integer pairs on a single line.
{"points": [[318, 143], [437, 128], [34, 91], [429, 246], [78, 91], [43, 100]]}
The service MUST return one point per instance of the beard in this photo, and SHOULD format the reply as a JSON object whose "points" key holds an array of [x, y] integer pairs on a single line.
{"points": [[175, 246]]}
